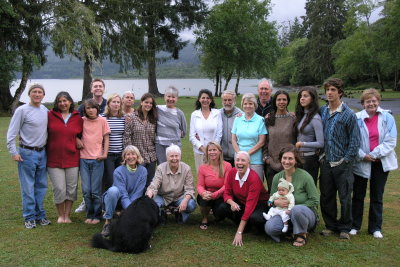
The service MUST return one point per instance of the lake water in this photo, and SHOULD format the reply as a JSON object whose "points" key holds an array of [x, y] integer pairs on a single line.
{"points": [[187, 87]]}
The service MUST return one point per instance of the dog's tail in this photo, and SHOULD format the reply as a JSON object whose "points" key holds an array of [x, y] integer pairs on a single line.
{"points": [[98, 241]]}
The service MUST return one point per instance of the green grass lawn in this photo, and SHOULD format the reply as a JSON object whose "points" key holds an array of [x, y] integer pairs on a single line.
{"points": [[182, 245]]}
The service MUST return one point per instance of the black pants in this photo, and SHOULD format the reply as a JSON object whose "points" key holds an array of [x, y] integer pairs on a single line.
{"points": [[311, 165], [335, 180], [376, 189], [269, 175], [256, 219]]}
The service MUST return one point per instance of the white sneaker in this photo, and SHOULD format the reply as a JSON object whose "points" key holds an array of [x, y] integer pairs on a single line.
{"points": [[81, 208], [377, 234], [353, 232]]}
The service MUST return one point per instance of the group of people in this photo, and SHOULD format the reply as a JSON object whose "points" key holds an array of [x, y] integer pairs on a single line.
{"points": [[122, 153]]}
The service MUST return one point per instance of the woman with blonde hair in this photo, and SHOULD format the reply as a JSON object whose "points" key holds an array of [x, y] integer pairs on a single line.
{"points": [[211, 179], [129, 182], [116, 122]]}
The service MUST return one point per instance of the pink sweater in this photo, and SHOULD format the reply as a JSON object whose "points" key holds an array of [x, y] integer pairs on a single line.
{"points": [[208, 180]]}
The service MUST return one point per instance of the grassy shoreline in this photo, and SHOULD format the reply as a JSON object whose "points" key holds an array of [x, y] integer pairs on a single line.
{"points": [[183, 245]]}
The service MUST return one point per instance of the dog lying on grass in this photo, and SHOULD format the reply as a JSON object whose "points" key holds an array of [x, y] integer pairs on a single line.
{"points": [[132, 232]]}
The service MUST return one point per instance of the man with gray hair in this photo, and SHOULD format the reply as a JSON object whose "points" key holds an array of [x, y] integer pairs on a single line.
{"points": [[30, 124], [128, 99], [264, 100], [228, 114]]}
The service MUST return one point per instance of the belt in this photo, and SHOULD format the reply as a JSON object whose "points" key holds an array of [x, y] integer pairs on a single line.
{"points": [[33, 147], [306, 154]]}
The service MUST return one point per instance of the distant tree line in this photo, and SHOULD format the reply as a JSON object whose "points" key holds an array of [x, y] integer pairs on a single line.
{"points": [[127, 32], [337, 38]]}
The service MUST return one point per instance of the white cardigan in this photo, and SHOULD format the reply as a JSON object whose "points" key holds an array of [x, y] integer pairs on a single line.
{"points": [[207, 130], [387, 143]]}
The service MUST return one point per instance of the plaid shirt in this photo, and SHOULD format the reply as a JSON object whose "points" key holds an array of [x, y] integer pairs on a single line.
{"points": [[142, 135], [341, 134]]}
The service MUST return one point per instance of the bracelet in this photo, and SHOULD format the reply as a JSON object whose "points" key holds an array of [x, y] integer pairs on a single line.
{"points": [[239, 233]]}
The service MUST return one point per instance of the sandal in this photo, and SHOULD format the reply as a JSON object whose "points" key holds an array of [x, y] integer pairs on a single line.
{"points": [[203, 226], [300, 241]]}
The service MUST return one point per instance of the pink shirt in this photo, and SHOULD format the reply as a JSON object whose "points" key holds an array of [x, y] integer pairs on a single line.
{"points": [[372, 125], [208, 180], [92, 137]]}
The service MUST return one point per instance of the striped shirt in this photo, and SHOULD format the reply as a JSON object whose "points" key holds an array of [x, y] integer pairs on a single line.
{"points": [[117, 127], [341, 133], [171, 126]]}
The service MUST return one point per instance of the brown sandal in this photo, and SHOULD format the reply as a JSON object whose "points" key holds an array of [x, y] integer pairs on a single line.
{"points": [[300, 241]]}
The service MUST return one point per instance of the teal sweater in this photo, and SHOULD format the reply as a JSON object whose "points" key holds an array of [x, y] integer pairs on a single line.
{"points": [[305, 192]]}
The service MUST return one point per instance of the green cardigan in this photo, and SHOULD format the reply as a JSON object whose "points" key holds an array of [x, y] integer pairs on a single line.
{"points": [[305, 192]]}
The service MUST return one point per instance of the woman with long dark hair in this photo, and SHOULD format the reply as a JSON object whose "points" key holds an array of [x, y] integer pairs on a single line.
{"points": [[310, 135], [205, 125], [140, 131], [281, 133]]}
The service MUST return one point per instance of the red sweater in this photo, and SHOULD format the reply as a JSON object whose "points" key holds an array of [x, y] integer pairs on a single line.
{"points": [[61, 141], [251, 193]]}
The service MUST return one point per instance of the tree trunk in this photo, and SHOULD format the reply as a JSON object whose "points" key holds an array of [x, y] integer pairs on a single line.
{"points": [[5, 97], [237, 83], [26, 71], [396, 81], [378, 76], [220, 83], [87, 79], [217, 83], [228, 79], [151, 60]]}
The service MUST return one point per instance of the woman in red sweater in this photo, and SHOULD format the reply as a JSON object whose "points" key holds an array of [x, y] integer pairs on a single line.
{"points": [[64, 125], [210, 184], [245, 197]]}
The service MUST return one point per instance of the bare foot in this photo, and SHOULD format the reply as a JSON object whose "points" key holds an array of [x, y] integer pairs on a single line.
{"points": [[95, 221], [60, 220], [67, 220], [88, 221]]}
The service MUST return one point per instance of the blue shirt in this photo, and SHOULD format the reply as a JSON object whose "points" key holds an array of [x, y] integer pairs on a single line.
{"points": [[130, 184], [247, 133], [341, 133]]}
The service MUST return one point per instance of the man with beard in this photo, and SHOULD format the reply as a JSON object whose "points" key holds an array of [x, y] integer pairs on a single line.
{"points": [[228, 113]]}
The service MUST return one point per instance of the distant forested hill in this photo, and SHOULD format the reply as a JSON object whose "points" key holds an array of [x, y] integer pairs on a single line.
{"points": [[187, 66]]}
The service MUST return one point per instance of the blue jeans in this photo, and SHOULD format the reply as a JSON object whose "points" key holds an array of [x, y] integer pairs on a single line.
{"points": [[110, 200], [32, 174], [91, 178], [191, 206]]}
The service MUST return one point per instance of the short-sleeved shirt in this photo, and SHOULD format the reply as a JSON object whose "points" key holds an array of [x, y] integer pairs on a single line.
{"points": [[92, 137], [247, 133]]}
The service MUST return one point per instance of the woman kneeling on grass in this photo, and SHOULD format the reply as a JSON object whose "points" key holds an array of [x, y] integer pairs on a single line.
{"points": [[211, 178], [129, 182], [245, 198], [303, 215]]}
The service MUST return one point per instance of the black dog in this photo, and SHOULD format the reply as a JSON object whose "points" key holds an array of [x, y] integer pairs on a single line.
{"points": [[133, 231]]}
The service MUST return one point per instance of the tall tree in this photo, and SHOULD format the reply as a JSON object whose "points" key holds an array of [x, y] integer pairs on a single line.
{"points": [[237, 39], [22, 32], [162, 21], [324, 22]]}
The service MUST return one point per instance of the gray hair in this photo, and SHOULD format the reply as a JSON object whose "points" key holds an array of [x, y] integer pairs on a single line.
{"points": [[249, 97], [172, 90], [229, 92], [127, 92], [173, 148], [247, 155], [265, 80]]}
